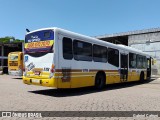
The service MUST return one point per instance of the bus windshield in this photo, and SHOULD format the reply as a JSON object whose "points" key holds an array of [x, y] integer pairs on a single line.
{"points": [[14, 57], [41, 41]]}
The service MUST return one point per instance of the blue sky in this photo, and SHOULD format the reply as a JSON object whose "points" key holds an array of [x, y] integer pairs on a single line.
{"points": [[88, 17]]}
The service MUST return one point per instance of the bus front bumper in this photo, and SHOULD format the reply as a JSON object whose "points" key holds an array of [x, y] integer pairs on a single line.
{"points": [[52, 82], [15, 72]]}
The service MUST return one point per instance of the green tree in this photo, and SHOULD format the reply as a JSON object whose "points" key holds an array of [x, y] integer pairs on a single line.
{"points": [[8, 38]]}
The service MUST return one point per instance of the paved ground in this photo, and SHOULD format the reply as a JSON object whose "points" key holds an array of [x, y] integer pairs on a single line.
{"points": [[16, 96]]}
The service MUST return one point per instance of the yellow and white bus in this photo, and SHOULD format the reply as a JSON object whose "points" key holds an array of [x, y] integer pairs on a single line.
{"points": [[15, 63], [62, 59]]}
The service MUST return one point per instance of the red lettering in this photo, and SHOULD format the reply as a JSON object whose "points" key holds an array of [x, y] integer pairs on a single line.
{"points": [[47, 43]]}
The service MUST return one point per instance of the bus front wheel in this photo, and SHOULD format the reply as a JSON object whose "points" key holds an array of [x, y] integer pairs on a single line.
{"points": [[100, 81]]}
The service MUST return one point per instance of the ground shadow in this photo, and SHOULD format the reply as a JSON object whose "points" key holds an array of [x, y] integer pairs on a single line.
{"points": [[19, 78], [85, 90]]}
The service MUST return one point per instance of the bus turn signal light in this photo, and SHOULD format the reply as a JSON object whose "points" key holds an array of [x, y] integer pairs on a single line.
{"points": [[52, 68]]}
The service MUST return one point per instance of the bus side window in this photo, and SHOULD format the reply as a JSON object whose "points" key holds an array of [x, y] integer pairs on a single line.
{"points": [[67, 48], [99, 53], [152, 61], [82, 50], [144, 62], [132, 60], [113, 57], [139, 61]]}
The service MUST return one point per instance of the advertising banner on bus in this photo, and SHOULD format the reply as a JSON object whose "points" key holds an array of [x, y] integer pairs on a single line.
{"points": [[40, 41]]}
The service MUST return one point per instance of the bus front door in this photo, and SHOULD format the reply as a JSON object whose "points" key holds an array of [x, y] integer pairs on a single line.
{"points": [[124, 67]]}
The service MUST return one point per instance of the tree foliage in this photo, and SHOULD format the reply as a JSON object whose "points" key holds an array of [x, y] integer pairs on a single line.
{"points": [[8, 39]]}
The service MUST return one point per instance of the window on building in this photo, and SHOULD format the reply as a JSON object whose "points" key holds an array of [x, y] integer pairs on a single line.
{"points": [[132, 60], [67, 48], [113, 57], [99, 53], [82, 50]]}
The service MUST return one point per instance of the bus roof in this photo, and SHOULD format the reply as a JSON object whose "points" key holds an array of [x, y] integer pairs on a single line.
{"points": [[93, 40]]}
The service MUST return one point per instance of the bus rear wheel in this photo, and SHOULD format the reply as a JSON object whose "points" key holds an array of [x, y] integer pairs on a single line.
{"points": [[142, 77], [100, 81]]}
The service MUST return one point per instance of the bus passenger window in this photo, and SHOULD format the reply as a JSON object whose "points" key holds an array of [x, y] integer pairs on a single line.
{"points": [[82, 50], [152, 61], [144, 62], [113, 57], [139, 61], [99, 53], [67, 48], [132, 60]]}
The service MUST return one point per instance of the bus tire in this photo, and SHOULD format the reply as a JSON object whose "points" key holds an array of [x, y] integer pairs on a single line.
{"points": [[142, 77], [100, 81]]}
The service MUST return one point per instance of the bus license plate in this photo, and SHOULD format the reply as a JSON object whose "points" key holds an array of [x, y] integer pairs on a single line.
{"points": [[35, 81], [37, 72]]}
